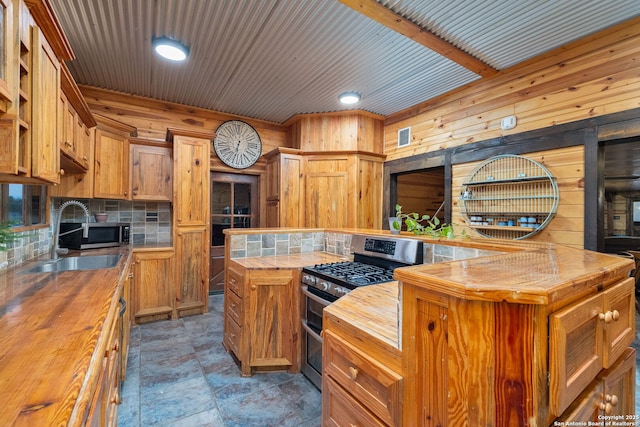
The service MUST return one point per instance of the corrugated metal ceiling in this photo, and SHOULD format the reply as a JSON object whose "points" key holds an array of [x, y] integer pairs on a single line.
{"points": [[272, 59]]}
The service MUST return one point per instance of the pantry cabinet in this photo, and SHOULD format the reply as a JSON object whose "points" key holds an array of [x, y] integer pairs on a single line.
{"points": [[192, 230], [262, 324], [153, 293]]}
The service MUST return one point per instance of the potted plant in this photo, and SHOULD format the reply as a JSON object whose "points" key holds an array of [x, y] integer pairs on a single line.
{"points": [[420, 224]]}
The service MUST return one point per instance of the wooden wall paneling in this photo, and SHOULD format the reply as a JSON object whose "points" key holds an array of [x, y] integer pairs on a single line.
{"points": [[566, 85], [152, 117], [422, 192]]}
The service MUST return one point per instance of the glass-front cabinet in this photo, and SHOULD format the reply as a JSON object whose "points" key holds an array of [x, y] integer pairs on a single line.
{"points": [[230, 208]]}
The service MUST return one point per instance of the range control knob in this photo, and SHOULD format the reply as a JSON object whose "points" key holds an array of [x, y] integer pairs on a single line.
{"points": [[340, 291], [325, 285]]}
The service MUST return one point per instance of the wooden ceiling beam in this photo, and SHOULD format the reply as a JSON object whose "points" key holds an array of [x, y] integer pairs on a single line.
{"points": [[374, 10]]}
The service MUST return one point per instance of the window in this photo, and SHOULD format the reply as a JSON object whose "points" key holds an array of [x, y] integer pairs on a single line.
{"points": [[23, 205]]}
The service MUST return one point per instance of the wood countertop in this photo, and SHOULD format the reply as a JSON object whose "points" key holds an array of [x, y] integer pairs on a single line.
{"points": [[50, 332], [289, 261], [536, 274], [370, 309]]}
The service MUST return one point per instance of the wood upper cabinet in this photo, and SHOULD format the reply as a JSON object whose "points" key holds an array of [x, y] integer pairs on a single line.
{"points": [[151, 171], [586, 337], [284, 187], [342, 190], [191, 183], [45, 154], [7, 47], [262, 322], [74, 124], [153, 293], [111, 159]]}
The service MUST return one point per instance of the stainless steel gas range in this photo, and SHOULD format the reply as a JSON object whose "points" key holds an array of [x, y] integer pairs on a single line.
{"points": [[374, 259]]}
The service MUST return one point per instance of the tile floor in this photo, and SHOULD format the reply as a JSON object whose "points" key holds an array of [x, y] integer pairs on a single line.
{"points": [[179, 374]]}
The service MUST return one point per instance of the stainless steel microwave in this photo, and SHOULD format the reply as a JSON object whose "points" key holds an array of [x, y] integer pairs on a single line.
{"points": [[101, 235]]}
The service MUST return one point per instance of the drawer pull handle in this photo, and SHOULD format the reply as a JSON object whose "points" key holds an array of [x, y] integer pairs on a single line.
{"points": [[353, 373]]}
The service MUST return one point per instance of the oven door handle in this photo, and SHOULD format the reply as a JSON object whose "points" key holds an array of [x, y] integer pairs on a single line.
{"points": [[311, 332], [316, 298]]}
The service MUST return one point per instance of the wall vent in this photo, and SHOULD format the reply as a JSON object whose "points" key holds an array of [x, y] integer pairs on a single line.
{"points": [[404, 137]]}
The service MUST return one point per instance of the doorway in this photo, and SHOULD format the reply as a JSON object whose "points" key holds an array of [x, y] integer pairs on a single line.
{"points": [[234, 204], [422, 192]]}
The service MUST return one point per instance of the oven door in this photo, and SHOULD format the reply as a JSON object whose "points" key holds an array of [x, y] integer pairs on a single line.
{"points": [[311, 340]]}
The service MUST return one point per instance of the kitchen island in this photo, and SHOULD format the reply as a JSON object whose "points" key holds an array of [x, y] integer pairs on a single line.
{"points": [[526, 335], [60, 343]]}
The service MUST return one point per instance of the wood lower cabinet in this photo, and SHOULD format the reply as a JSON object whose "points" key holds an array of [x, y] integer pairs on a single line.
{"points": [[262, 318], [611, 394], [468, 362], [105, 392], [153, 291], [357, 388]]}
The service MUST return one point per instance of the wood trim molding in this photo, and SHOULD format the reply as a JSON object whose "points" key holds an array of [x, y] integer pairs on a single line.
{"points": [[46, 19], [387, 17]]}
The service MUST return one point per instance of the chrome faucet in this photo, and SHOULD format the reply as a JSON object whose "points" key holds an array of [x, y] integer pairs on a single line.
{"points": [[56, 231]]}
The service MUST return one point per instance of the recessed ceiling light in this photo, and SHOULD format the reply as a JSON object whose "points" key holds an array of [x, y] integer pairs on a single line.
{"points": [[170, 49], [349, 98]]}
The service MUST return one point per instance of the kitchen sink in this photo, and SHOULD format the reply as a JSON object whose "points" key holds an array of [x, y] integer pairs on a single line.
{"points": [[74, 263]]}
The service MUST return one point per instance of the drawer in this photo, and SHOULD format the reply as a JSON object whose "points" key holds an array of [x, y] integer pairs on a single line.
{"points": [[233, 307], [232, 335], [341, 409], [376, 387], [235, 281]]}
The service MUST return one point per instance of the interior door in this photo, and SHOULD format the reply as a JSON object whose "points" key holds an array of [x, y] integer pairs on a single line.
{"points": [[234, 204]]}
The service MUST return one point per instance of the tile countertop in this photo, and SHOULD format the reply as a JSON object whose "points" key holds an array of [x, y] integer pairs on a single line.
{"points": [[50, 327]]}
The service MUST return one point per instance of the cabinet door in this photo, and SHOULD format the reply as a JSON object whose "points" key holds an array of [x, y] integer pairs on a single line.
{"points": [[153, 291], [192, 265], [45, 151], [191, 166], [273, 318], [326, 200], [127, 292], [620, 386], [587, 337], [151, 173], [111, 166], [339, 408]]}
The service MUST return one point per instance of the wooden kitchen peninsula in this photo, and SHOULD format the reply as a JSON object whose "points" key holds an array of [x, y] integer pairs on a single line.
{"points": [[521, 334]]}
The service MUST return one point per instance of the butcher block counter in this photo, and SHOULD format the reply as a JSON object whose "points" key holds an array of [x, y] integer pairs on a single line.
{"points": [[55, 329]]}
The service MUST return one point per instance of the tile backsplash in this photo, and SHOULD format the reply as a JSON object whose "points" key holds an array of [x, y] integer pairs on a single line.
{"points": [[30, 245], [150, 221]]}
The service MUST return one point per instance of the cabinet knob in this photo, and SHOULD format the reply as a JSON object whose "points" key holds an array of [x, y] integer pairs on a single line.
{"points": [[612, 398], [615, 315], [61, 171], [607, 317], [606, 407], [253, 287], [353, 373]]}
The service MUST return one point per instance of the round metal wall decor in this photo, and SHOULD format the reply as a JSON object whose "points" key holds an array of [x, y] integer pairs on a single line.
{"points": [[237, 144], [509, 197]]}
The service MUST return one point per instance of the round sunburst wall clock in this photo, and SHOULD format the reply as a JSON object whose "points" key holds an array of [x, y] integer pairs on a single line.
{"points": [[237, 144]]}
